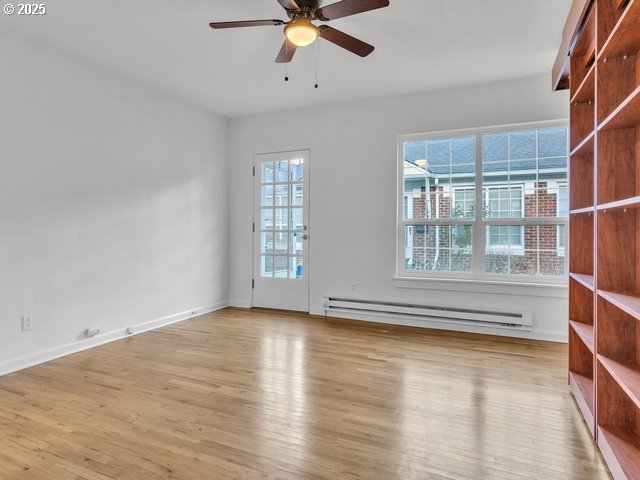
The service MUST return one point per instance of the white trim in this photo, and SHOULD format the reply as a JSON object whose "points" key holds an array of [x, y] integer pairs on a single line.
{"points": [[43, 356], [317, 311], [545, 335], [492, 129], [487, 221], [240, 303], [562, 250]]}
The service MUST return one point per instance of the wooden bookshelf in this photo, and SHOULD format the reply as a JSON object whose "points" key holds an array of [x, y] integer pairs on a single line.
{"points": [[604, 238]]}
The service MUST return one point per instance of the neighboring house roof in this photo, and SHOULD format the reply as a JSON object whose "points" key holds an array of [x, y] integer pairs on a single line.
{"points": [[502, 152]]}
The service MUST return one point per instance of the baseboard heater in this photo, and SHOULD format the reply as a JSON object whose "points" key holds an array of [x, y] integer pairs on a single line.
{"points": [[522, 321]]}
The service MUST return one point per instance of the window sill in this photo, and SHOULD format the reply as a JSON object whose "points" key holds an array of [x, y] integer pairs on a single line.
{"points": [[484, 286]]}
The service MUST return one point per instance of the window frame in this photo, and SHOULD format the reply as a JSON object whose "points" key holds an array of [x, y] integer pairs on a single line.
{"points": [[479, 225], [562, 249], [408, 197]]}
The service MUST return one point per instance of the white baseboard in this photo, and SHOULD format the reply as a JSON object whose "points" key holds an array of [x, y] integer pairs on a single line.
{"points": [[32, 359], [545, 335], [240, 303]]}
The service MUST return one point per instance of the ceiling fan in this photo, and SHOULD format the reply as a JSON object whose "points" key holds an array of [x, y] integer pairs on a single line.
{"points": [[300, 31]]}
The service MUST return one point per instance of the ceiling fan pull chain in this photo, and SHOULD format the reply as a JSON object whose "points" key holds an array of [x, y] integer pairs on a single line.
{"points": [[316, 85], [286, 65]]}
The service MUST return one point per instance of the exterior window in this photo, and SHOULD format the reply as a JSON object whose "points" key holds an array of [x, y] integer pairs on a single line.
{"points": [[518, 178], [505, 202], [505, 236], [465, 202]]}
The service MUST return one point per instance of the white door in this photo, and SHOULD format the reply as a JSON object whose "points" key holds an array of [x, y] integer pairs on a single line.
{"points": [[281, 232]]}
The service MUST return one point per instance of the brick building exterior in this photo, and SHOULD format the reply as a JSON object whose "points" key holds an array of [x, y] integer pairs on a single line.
{"points": [[449, 246]]}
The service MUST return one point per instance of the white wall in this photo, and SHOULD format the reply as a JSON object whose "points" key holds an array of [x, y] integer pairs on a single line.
{"points": [[353, 184], [113, 202]]}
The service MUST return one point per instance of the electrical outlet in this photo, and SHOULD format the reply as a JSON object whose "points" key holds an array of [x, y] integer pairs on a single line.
{"points": [[353, 286], [26, 323]]}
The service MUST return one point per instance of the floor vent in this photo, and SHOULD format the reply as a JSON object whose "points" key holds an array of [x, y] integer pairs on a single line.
{"points": [[491, 318]]}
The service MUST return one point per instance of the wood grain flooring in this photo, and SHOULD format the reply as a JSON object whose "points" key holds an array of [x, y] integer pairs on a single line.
{"points": [[241, 394]]}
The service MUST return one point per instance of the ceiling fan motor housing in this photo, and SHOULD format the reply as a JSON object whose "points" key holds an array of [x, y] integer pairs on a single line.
{"points": [[309, 3], [306, 10]]}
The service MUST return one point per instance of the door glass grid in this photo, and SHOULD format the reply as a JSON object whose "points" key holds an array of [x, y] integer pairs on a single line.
{"points": [[281, 220]]}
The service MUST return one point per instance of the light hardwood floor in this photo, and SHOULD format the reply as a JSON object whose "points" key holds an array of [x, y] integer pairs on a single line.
{"points": [[262, 395]]}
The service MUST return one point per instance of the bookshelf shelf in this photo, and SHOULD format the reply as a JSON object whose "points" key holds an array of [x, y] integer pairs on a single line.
{"points": [[581, 241], [630, 304], [585, 280], [585, 332], [633, 202], [626, 375], [582, 388], [581, 173], [622, 40], [579, 211], [622, 453], [585, 91], [584, 144], [626, 115]]}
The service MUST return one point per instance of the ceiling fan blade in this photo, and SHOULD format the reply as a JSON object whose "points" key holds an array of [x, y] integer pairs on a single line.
{"points": [[349, 7], [286, 52], [245, 23], [289, 4], [345, 41]]}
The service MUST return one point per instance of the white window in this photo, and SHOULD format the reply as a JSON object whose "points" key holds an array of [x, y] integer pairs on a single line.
{"points": [[407, 208], [518, 177], [563, 211]]}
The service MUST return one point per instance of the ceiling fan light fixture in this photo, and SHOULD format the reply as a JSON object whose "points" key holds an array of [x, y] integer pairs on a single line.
{"points": [[301, 32]]}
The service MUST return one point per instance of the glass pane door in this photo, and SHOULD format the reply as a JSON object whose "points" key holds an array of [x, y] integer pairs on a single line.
{"points": [[281, 229]]}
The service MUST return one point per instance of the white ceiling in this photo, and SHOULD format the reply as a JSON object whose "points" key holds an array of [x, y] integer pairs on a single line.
{"points": [[420, 45]]}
